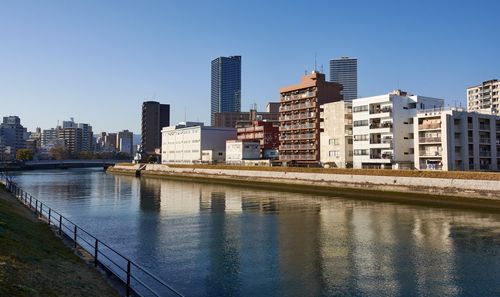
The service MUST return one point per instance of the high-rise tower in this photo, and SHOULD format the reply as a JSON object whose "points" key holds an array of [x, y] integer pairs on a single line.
{"points": [[345, 72], [226, 85]]}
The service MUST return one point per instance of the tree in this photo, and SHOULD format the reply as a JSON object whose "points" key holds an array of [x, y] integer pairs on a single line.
{"points": [[24, 155], [59, 153]]}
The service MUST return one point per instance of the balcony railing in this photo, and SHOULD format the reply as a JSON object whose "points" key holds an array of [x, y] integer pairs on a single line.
{"points": [[484, 127], [381, 156], [380, 125], [430, 154], [381, 110], [485, 154], [429, 139], [484, 140], [429, 126]]}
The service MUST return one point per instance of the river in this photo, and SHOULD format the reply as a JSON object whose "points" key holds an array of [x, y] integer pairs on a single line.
{"points": [[213, 240]]}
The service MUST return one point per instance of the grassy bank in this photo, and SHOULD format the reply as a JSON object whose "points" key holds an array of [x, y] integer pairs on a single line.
{"points": [[34, 262], [475, 175]]}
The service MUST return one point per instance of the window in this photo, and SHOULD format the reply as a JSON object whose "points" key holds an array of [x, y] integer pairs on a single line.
{"points": [[361, 152], [361, 123], [360, 108], [333, 154], [334, 141], [349, 140], [362, 137]]}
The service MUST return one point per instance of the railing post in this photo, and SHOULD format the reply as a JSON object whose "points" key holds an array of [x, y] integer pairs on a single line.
{"points": [[60, 225], [128, 279], [74, 236], [30, 200], [36, 207], [41, 210], [50, 211], [96, 248]]}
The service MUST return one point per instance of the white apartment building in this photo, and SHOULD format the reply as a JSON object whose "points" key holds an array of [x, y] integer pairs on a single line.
{"points": [[454, 139], [484, 97], [239, 150], [184, 143], [383, 129], [336, 134]]}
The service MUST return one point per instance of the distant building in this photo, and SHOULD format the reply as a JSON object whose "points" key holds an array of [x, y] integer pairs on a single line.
{"points": [[454, 139], [184, 143], [155, 116], [226, 86], [49, 137], [72, 138], [336, 134], [87, 137], [110, 142], [234, 119], [12, 137], [484, 97], [265, 133], [300, 117], [238, 151], [345, 72], [383, 136], [125, 142]]}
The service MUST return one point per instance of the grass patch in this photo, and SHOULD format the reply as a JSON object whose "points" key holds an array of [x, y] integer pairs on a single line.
{"points": [[34, 262], [475, 175]]}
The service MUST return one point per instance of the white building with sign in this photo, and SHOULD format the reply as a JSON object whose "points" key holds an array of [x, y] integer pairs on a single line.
{"points": [[185, 142]]}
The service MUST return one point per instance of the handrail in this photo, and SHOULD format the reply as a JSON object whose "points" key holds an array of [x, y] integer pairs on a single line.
{"points": [[73, 232]]}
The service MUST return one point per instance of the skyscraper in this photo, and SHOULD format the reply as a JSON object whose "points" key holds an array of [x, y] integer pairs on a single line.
{"points": [[345, 72], [155, 116], [226, 86]]}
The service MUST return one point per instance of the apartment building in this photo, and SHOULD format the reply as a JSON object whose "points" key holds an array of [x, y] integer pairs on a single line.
{"points": [[336, 134], [454, 139], [383, 129], [484, 97], [265, 133], [12, 137], [184, 143], [300, 117]]}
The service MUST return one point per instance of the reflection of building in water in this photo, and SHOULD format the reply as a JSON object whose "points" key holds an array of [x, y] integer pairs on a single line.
{"points": [[436, 269], [300, 263], [150, 199], [223, 278]]}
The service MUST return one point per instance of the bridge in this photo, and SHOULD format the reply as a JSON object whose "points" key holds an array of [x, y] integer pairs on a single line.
{"points": [[65, 164]]}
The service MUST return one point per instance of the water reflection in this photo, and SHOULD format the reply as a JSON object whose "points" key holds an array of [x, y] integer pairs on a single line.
{"points": [[211, 240]]}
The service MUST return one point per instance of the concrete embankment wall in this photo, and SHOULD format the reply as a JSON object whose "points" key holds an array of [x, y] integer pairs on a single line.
{"points": [[484, 193]]}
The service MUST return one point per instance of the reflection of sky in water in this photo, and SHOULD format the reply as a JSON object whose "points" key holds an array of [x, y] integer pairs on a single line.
{"points": [[226, 241]]}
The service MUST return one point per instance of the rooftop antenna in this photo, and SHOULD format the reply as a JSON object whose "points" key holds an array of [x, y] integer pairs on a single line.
{"points": [[305, 72], [321, 68], [315, 62]]}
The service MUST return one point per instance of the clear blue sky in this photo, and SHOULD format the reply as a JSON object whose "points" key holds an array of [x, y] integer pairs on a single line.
{"points": [[98, 60]]}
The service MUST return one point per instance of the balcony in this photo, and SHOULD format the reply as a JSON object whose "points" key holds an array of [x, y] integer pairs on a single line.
{"points": [[484, 140], [429, 139], [380, 125], [484, 127], [431, 167], [430, 154], [381, 156], [429, 126], [381, 110], [485, 154]]}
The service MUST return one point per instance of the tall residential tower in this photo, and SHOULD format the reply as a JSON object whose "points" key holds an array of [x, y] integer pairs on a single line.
{"points": [[345, 72], [226, 86]]}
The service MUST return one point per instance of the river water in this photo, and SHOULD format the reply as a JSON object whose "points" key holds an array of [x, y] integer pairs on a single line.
{"points": [[213, 240]]}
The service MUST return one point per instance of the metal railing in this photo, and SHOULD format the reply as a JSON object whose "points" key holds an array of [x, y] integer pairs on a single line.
{"points": [[138, 280]]}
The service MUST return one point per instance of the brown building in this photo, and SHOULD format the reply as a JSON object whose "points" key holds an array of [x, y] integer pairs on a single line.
{"points": [[266, 133], [300, 117], [233, 119]]}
